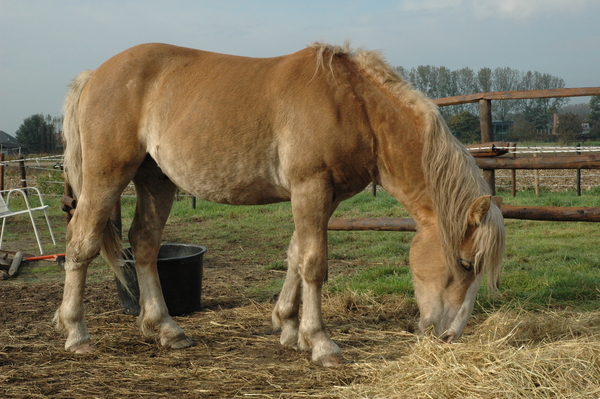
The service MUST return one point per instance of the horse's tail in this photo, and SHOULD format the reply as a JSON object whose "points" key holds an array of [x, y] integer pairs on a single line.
{"points": [[111, 239], [71, 134]]}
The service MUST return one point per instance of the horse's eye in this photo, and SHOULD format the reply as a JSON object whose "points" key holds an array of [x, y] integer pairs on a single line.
{"points": [[466, 265]]}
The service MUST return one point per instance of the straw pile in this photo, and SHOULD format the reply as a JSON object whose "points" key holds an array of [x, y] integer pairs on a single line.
{"points": [[510, 355]]}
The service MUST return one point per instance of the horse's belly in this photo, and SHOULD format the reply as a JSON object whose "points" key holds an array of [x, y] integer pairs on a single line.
{"points": [[231, 186], [256, 194]]}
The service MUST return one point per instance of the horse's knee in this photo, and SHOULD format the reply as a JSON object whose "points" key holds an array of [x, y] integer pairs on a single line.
{"points": [[313, 269]]}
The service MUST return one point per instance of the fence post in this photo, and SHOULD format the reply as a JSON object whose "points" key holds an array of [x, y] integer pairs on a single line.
{"points": [[513, 172], [487, 136], [536, 179], [1, 171], [23, 173], [578, 173]]}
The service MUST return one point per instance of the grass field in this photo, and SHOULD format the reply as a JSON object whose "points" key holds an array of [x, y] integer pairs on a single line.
{"points": [[547, 264], [538, 336]]}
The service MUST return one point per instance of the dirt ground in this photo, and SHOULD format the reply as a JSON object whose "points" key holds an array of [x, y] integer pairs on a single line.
{"points": [[237, 352]]}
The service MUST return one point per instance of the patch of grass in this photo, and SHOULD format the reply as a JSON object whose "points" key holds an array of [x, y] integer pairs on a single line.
{"points": [[280, 265], [266, 292], [547, 264], [376, 280]]}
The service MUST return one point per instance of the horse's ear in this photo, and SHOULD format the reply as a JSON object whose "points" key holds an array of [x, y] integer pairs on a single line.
{"points": [[478, 209]]}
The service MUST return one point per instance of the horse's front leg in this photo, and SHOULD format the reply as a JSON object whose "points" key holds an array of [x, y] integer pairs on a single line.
{"points": [[312, 334], [312, 206], [285, 312]]}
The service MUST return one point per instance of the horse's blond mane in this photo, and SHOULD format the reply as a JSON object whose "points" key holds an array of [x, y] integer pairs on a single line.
{"points": [[451, 173], [373, 64]]}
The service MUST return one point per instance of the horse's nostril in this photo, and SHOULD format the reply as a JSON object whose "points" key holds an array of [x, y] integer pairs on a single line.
{"points": [[449, 337]]}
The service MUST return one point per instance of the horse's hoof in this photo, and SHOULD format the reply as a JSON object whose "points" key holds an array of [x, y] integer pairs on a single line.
{"points": [[331, 361], [180, 342], [84, 347], [291, 345]]}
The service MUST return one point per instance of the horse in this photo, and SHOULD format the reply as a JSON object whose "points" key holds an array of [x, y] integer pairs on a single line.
{"points": [[314, 127]]}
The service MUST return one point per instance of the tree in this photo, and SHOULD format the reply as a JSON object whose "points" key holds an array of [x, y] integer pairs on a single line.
{"points": [[505, 79], [569, 127], [539, 111], [484, 78], [466, 127], [522, 130], [38, 133], [594, 116], [438, 82]]}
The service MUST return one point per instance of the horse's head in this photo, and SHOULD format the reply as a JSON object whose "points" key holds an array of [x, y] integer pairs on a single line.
{"points": [[446, 292]]}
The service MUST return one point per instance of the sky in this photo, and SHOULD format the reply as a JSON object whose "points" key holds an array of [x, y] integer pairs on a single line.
{"points": [[44, 44]]}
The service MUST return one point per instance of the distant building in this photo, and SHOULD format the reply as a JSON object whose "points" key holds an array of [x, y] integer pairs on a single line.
{"points": [[8, 144]]}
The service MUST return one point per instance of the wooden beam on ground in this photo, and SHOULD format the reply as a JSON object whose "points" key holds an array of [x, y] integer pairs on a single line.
{"points": [[551, 213], [545, 213], [560, 162], [374, 224]]}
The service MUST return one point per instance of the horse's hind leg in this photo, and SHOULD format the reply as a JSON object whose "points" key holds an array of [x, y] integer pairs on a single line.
{"points": [[84, 238], [155, 193]]}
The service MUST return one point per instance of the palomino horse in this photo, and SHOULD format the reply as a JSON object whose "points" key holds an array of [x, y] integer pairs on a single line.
{"points": [[314, 128]]}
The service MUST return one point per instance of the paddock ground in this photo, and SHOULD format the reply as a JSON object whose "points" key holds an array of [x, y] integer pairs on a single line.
{"points": [[237, 353], [505, 354]]}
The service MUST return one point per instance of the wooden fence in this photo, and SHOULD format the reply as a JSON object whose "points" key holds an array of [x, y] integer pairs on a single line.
{"points": [[488, 161], [485, 109]]}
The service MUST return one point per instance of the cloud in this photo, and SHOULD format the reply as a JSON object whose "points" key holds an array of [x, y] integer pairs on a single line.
{"points": [[524, 9], [428, 5], [513, 9]]}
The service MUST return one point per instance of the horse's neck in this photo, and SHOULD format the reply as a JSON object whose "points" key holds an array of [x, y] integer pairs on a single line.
{"points": [[400, 165]]}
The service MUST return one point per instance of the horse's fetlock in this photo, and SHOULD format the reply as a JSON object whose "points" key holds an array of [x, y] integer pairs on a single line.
{"points": [[276, 320], [148, 327], [57, 322]]}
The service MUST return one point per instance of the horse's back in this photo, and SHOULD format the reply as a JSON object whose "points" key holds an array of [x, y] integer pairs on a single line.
{"points": [[226, 128]]}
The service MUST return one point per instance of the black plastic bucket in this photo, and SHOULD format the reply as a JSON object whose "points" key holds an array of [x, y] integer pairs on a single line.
{"points": [[180, 273]]}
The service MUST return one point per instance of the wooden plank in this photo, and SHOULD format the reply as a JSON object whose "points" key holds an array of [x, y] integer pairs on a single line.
{"points": [[566, 162], [373, 224], [518, 95], [543, 213], [551, 213]]}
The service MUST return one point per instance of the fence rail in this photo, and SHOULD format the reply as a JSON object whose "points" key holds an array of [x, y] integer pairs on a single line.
{"points": [[518, 95], [545, 213]]}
